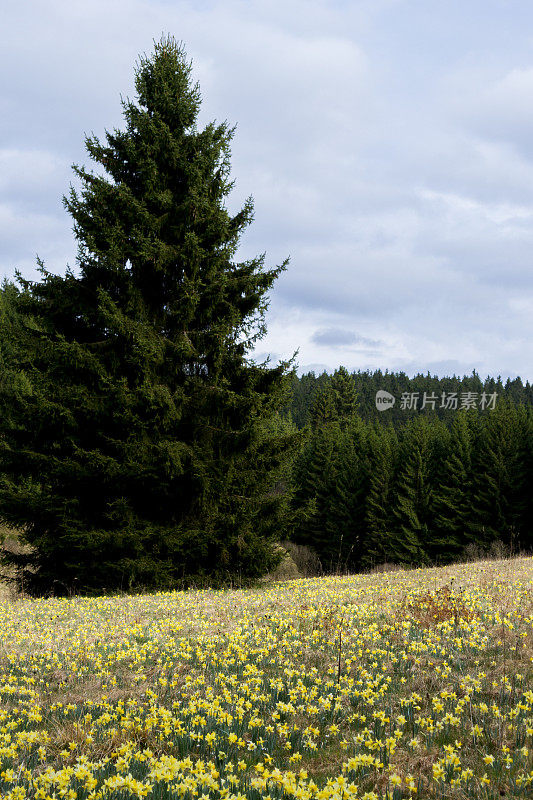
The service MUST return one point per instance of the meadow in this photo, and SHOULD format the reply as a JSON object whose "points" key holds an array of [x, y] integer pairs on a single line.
{"points": [[393, 685]]}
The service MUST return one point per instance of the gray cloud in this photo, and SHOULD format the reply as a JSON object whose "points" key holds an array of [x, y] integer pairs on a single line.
{"points": [[338, 337], [388, 147]]}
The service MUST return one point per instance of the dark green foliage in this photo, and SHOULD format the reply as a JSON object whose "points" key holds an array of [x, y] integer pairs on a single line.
{"points": [[526, 455], [366, 385], [421, 492], [139, 445], [313, 487], [500, 480], [453, 500], [346, 523], [323, 410], [344, 395], [413, 492], [383, 454], [331, 476]]}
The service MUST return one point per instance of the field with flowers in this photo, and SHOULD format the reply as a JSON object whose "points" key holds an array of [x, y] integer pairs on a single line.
{"points": [[415, 683]]}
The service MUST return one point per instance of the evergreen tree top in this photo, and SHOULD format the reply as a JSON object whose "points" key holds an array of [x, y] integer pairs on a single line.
{"points": [[155, 240]]}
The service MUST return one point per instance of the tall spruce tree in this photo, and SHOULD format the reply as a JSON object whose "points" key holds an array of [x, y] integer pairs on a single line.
{"points": [[383, 458], [414, 487], [344, 395], [454, 491], [501, 483], [313, 479], [346, 523], [138, 454], [330, 476], [527, 486]]}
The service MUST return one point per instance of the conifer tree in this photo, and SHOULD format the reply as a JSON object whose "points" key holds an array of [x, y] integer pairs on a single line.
{"points": [[453, 492], [139, 455], [329, 476], [526, 537], [413, 494], [312, 482], [323, 409], [383, 459], [346, 522], [344, 395], [500, 477]]}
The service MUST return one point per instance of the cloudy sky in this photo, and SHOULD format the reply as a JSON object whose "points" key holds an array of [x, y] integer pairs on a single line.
{"points": [[388, 145]]}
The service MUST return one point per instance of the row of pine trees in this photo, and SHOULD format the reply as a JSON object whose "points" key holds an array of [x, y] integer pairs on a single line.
{"points": [[305, 388], [418, 493]]}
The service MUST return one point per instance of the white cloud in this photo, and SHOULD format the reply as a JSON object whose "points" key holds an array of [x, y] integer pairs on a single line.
{"points": [[504, 109], [388, 147]]}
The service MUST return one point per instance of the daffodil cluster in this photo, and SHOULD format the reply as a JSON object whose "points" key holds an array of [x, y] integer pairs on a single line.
{"points": [[332, 688]]}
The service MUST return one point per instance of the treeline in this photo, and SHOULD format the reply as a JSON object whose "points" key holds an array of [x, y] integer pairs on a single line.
{"points": [[418, 493], [306, 388]]}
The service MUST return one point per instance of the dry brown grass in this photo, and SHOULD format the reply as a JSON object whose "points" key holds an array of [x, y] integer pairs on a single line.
{"points": [[432, 607]]}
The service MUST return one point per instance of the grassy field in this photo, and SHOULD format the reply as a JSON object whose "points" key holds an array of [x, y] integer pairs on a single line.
{"points": [[391, 685]]}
